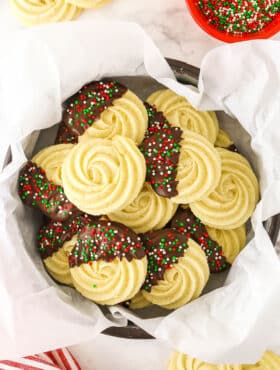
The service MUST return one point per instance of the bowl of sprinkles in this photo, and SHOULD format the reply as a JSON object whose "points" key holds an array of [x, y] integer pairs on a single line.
{"points": [[237, 20]]}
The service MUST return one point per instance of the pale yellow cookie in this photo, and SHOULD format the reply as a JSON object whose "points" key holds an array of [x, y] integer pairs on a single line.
{"points": [[56, 240], [103, 176], [114, 282], [180, 361], [108, 264], [269, 361], [127, 117], [32, 12], [223, 139], [57, 264], [199, 168], [231, 241], [147, 212], [88, 4], [233, 201], [51, 159], [138, 301], [181, 113], [183, 282]]}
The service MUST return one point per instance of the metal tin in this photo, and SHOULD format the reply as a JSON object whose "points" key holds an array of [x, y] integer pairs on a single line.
{"points": [[186, 74]]}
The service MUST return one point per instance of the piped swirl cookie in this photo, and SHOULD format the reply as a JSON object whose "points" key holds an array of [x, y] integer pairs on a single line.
{"points": [[181, 113], [103, 176], [147, 212], [269, 361], [177, 269], [51, 159], [108, 263], [138, 301], [199, 168], [55, 242], [233, 201], [88, 4], [182, 166], [180, 361], [32, 12], [39, 183], [103, 109], [224, 141], [188, 224], [231, 241]]}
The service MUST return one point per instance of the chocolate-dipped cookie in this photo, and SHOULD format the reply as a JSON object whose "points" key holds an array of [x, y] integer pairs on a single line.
{"points": [[181, 165], [108, 263], [55, 241], [35, 190], [188, 224], [51, 159], [177, 268], [180, 113], [101, 110], [232, 241]]}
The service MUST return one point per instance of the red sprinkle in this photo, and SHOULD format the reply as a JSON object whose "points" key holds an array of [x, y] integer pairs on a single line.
{"points": [[239, 17]]}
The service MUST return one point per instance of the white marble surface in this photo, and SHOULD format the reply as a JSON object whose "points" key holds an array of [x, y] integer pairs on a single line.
{"points": [[167, 21], [172, 28]]}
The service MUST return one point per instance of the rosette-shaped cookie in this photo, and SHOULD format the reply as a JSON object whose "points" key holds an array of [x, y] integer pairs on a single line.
{"points": [[233, 201], [32, 12], [231, 241], [181, 113], [88, 4], [57, 265], [224, 141], [147, 212], [103, 176], [269, 361], [177, 269], [186, 223], [138, 302], [180, 361], [103, 109], [55, 242], [199, 168], [39, 183], [108, 263], [51, 159], [183, 166]]}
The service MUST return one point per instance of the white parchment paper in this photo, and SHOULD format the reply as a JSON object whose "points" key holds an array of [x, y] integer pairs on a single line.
{"points": [[39, 69]]}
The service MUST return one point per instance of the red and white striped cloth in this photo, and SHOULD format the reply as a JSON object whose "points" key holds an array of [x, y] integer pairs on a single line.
{"points": [[61, 359]]}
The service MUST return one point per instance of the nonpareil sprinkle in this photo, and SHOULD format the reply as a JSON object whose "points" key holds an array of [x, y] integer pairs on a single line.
{"points": [[239, 17]]}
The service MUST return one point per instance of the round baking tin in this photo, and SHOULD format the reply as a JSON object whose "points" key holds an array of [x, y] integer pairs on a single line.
{"points": [[186, 74]]}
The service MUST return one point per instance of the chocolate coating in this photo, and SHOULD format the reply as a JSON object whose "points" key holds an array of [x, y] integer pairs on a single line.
{"points": [[85, 107], [232, 148], [187, 223], [65, 136], [106, 241], [54, 234], [161, 149], [163, 249], [35, 190]]}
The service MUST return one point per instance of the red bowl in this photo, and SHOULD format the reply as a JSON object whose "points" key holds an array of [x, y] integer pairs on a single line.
{"points": [[268, 31]]}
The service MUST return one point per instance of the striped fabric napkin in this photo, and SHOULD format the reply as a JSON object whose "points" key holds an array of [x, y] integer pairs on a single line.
{"points": [[61, 359]]}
